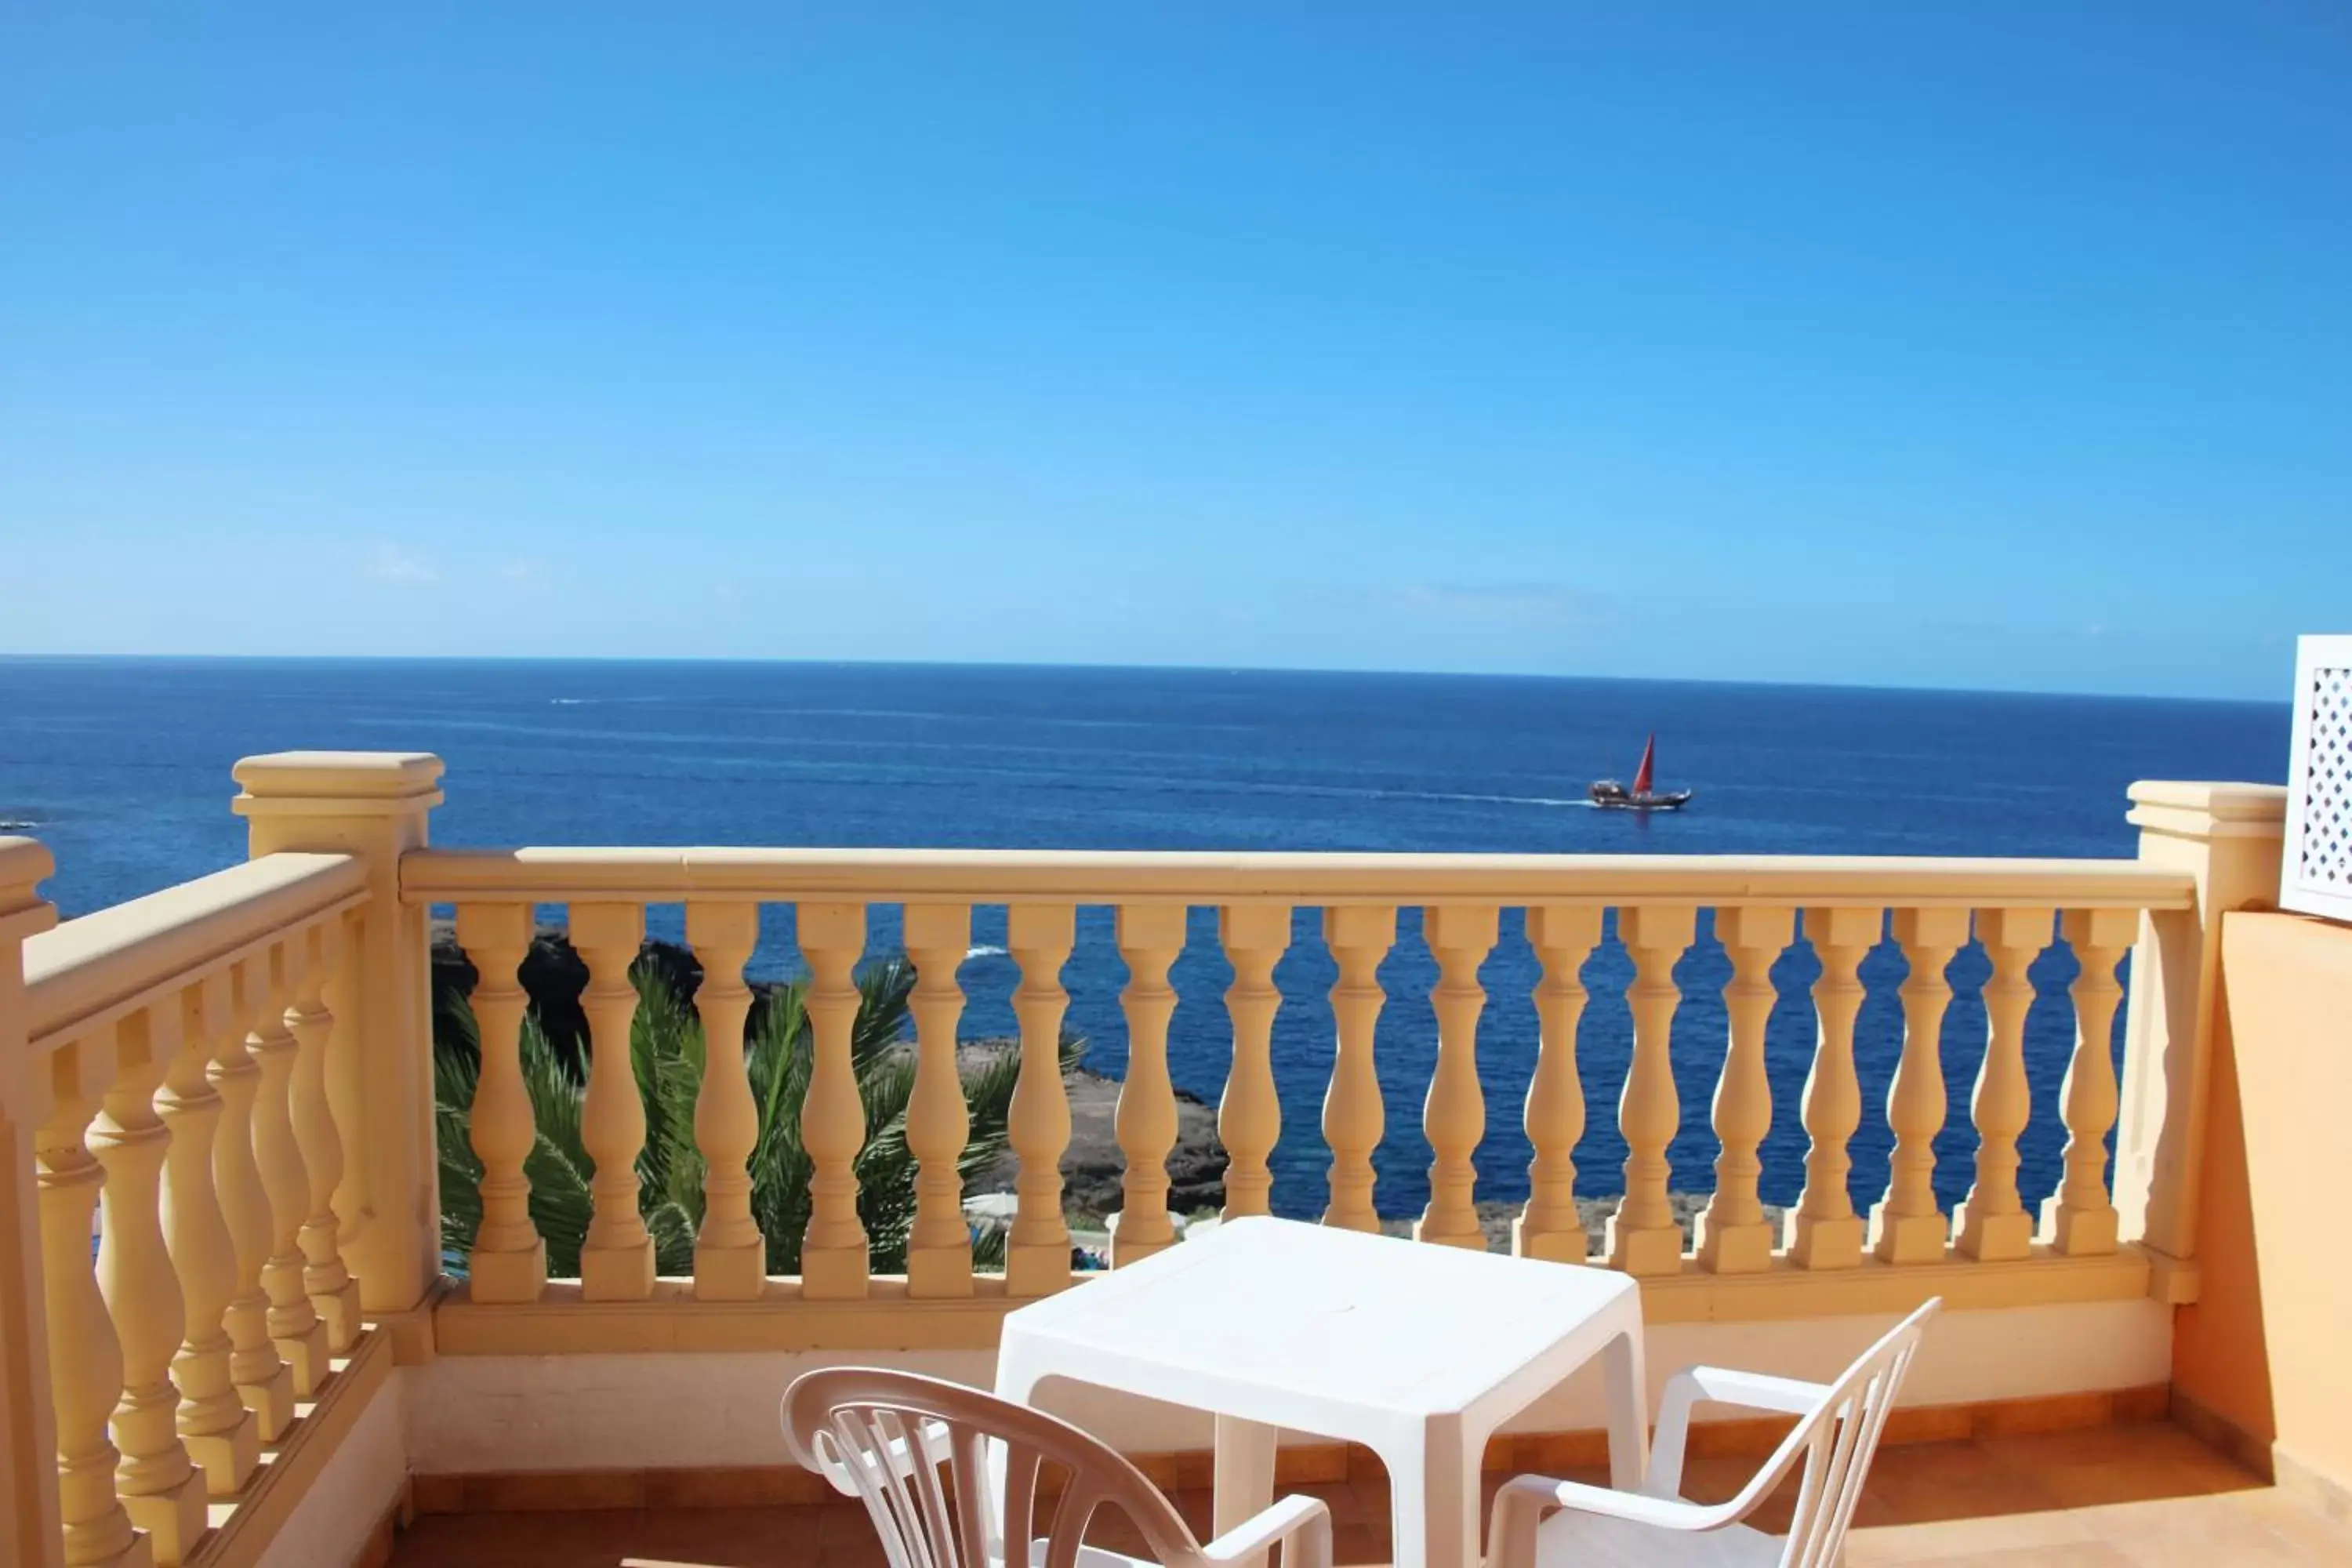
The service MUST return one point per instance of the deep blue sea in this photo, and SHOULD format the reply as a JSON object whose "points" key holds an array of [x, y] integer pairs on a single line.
{"points": [[122, 767]]}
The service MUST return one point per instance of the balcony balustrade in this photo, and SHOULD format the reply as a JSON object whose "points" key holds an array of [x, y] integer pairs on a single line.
{"points": [[236, 1073]]}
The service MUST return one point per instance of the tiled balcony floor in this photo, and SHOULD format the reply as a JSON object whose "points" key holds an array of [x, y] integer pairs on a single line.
{"points": [[2143, 1495]]}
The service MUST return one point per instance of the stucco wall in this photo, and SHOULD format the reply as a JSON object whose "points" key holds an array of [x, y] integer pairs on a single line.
{"points": [[2268, 1345], [475, 1414], [358, 1485]]}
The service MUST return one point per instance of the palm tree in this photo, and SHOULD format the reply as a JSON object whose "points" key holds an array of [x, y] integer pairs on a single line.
{"points": [[666, 1050]]}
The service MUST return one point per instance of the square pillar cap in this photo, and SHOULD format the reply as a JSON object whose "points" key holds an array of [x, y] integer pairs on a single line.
{"points": [[338, 783], [2209, 809], [25, 863]]}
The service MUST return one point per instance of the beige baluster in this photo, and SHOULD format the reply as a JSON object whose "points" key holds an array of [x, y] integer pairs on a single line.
{"points": [[294, 1325], [509, 1258], [2080, 1218], [263, 1379], [1037, 1123], [162, 1490], [85, 1361], [334, 1294], [730, 1257], [1453, 1117], [939, 1122], [617, 1259], [221, 1434], [1563, 937], [1249, 1116], [1992, 1224], [1822, 1230], [1732, 1235], [1642, 1237], [834, 1258], [1150, 937], [1359, 938], [1908, 1226]]}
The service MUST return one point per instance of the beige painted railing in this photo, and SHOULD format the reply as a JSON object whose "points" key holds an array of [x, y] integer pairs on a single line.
{"points": [[2017, 908], [237, 1073], [1843, 1255], [175, 1086]]}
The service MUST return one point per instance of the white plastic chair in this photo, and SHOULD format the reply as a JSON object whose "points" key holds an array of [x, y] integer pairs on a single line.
{"points": [[885, 1436], [1837, 1435]]}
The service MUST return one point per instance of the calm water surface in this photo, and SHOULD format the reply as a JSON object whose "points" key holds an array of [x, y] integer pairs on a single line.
{"points": [[121, 767]]}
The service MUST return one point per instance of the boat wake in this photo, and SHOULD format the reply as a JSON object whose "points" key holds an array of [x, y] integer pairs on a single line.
{"points": [[983, 951]]}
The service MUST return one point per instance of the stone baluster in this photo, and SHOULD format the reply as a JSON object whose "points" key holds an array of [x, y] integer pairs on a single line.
{"points": [[939, 1122], [2079, 1217], [1150, 937], [293, 1323], [1642, 1237], [1037, 1123], [263, 1379], [85, 1361], [1249, 1116], [833, 1256], [1992, 1224], [1732, 1235], [1358, 937], [730, 1257], [161, 1488], [1453, 1117], [334, 1294], [221, 1434], [1823, 1231], [1563, 937], [1908, 1226], [509, 1258], [616, 1260]]}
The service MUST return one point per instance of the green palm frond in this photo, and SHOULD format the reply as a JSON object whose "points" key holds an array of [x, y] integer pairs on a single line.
{"points": [[667, 1060]]}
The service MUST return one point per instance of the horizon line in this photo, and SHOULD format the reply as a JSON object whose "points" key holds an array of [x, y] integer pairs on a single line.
{"points": [[1109, 666]]}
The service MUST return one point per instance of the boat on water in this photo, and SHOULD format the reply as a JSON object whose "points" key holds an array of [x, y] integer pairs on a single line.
{"points": [[1611, 796]]}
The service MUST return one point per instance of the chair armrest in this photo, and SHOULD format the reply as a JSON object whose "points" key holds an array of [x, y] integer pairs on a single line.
{"points": [[1303, 1523], [1523, 1502], [1716, 1385]]}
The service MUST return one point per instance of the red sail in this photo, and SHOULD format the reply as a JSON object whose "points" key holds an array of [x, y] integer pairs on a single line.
{"points": [[1648, 765]]}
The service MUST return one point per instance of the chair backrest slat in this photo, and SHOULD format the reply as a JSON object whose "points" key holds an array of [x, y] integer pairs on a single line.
{"points": [[1841, 1437], [885, 1437]]}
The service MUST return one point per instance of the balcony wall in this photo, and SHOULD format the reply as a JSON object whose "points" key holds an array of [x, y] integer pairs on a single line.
{"points": [[283, 1006], [2262, 1350]]}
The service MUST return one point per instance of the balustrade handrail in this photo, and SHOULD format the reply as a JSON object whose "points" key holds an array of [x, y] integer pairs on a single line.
{"points": [[1324, 879], [86, 971]]}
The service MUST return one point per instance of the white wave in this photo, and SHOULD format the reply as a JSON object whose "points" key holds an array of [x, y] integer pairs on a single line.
{"points": [[984, 951], [1486, 799], [569, 701]]}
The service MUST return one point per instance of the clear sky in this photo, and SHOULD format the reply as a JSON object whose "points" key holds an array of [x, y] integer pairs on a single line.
{"points": [[1971, 344]]}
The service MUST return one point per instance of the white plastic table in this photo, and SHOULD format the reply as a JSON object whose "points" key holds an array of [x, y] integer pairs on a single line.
{"points": [[1419, 1353]]}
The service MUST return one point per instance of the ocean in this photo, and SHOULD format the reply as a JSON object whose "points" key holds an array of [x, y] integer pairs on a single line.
{"points": [[121, 766]]}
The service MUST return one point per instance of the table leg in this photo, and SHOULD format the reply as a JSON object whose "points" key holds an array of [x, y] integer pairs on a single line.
{"points": [[1629, 1417], [1243, 1474], [1433, 1501]]}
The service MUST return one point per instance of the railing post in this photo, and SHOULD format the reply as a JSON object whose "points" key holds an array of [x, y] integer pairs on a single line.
{"points": [[373, 805], [30, 1530], [2226, 836]]}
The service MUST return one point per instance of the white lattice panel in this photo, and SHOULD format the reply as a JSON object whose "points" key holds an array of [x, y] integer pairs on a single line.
{"points": [[2315, 875]]}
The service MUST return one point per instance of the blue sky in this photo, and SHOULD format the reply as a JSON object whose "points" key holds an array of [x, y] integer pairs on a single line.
{"points": [[2003, 345]]}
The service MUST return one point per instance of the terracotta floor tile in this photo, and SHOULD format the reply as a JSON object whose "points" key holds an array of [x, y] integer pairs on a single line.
{"points": [[2146, 1496]]}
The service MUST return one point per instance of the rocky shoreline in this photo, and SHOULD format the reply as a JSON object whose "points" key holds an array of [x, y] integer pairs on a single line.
{"points": [[1093, 1164]]}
